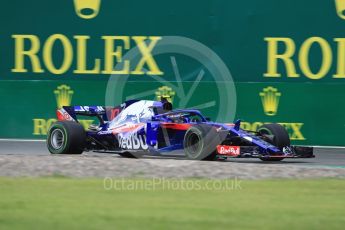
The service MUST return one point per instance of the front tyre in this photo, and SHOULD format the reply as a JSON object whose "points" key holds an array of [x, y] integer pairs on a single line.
{"points": [[66, 137], [277, 136], [200, 142]]}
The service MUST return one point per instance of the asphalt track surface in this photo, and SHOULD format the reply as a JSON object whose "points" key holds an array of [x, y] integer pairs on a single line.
{"points": [[324, 156], [19, 158]]}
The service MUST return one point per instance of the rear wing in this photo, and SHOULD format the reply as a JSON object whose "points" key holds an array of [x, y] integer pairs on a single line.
{"points": [[103, 113], [71, 113]]}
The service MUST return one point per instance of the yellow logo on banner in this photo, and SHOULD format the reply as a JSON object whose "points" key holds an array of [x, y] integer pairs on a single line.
{"points": [[340, 8], [87, 9], [63, 95], [165, 92], [295, 129], [270, 100]]}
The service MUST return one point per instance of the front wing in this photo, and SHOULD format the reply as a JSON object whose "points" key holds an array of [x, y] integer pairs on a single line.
{"points": [[254, 152]]}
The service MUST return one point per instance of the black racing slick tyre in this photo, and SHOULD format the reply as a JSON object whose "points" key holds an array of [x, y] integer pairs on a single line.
{"points": [[200, 142], [278, 136], [66, 137]]}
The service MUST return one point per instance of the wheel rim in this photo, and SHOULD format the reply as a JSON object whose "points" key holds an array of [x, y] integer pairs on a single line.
{"points": [[57, 139], [265, 131], [194, 144]]}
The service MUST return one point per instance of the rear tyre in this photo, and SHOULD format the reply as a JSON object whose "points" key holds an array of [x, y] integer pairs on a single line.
{"points": [[200, 142], [277, 135], [66, 137]]}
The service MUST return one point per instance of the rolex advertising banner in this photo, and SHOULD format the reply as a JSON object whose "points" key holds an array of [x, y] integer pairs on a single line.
{"points": [[258, 61]]}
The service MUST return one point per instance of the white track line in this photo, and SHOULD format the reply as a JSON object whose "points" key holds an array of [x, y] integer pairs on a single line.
{"points": [[23, 140], [328, 147]]}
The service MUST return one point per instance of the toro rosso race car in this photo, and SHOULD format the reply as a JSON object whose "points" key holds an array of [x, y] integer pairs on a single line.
{"points": [[141, 127]]}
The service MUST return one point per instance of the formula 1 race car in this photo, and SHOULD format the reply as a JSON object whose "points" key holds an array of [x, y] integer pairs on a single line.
{"points": [[141, 127]]}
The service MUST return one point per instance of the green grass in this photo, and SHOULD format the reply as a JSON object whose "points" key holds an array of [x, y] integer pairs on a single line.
{"points": [[64, 203]]}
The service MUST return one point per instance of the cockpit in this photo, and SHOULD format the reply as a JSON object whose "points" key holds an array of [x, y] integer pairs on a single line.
{"points": [[181, 116]]}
